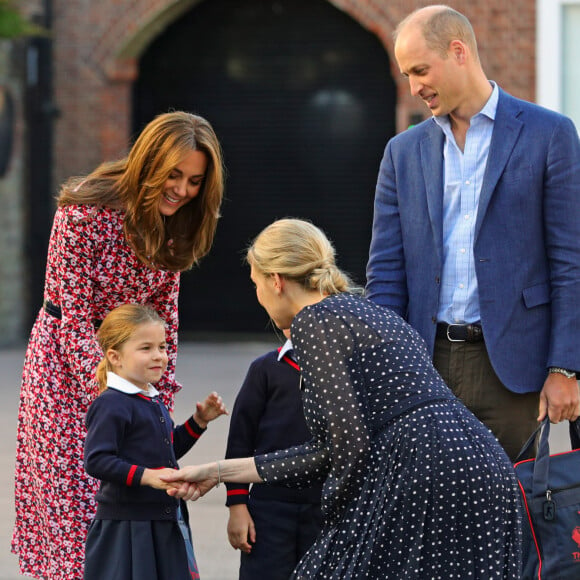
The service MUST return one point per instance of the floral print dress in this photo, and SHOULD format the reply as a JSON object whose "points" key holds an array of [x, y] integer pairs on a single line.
{"points": [[91, 269]]}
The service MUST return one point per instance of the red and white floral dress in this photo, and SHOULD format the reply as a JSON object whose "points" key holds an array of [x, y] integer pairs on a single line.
{"points": [[90, 270]]}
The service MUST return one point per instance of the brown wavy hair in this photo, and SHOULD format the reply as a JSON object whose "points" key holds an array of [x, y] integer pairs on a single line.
{"points": [[116, 329], [134, 184]]}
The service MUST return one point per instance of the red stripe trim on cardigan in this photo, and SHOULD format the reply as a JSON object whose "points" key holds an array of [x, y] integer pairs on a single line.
{"points": [[191, 431], [238, 492], [131, 475], [291, 362]]}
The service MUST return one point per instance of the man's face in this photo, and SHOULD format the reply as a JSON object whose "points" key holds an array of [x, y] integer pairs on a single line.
{"points": [[434, 78]]}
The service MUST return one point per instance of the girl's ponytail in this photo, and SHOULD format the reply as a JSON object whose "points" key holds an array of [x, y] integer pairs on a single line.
{"points": [[101, 374]]}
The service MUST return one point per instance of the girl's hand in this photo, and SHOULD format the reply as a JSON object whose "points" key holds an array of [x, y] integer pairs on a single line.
{"points": [[193, 481], [190, 483], [210, 409], [152, 477]]}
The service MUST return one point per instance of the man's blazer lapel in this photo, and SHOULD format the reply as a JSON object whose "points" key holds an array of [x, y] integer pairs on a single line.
{"points": [[431, 148], [506, 130]]}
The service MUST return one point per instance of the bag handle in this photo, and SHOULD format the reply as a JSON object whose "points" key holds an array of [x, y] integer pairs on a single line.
{"points": [[542, 461], [575, 433], [574, 429], [523, 454]]}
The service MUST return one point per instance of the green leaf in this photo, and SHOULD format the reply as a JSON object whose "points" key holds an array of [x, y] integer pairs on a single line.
{"points": [[13, 24]]}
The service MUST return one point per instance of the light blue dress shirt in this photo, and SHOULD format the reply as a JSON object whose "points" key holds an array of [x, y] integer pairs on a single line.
{"points": [[463, 177]]}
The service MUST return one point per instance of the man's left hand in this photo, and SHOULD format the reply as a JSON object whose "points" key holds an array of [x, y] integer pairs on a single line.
{"points": [[559, 399]]}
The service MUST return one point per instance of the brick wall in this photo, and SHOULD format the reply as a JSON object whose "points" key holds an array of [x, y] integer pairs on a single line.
{"points": [[96, 47]]}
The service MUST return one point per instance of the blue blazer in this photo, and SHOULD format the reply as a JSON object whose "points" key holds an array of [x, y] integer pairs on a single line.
{"points": [[526, 246]]}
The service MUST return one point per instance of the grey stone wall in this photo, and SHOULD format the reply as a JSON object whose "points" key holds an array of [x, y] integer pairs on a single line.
{"points": [[12, 244]]}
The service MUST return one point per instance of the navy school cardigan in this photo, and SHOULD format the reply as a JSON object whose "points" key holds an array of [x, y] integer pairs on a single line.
{"points": [[127, 433]]}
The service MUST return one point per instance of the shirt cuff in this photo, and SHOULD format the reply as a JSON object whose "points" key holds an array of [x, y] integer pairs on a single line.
{"points": [[237, 495], [193, 428]]}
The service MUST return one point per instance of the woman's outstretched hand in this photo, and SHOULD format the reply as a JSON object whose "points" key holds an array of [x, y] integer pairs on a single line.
{"points": [[194, 481], [191, 482]]}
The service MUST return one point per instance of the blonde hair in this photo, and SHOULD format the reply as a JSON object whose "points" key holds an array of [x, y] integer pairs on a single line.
{"points": [[135, 184], [440, 25], [116, 329], [299, 251]]}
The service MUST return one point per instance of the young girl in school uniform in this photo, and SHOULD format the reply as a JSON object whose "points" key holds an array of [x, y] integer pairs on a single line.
{"points": [[139, 531]]}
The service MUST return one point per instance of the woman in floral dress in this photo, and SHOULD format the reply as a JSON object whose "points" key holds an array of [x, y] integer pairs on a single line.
{"points": [[121, 234], [415, 486]]}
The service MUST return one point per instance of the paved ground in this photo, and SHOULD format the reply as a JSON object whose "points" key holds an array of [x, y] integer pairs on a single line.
{"points": [[202, 367]]}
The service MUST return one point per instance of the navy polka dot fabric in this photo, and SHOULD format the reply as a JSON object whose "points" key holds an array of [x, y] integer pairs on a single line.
{"points": [[415, 487]]}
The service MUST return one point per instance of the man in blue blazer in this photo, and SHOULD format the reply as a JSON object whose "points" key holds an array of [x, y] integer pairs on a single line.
{"points": [[476, 233]]}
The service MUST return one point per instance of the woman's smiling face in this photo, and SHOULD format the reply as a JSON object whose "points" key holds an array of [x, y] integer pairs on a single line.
{"points": [[184, 183]]}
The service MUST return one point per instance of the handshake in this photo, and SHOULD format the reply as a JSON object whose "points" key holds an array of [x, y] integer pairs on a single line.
{"points": [[194, 481]]}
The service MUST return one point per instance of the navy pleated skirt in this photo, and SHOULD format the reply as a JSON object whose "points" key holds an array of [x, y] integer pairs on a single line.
{"points": [[138, 550]]}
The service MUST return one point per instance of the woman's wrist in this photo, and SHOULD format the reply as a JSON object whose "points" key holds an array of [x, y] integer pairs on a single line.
{"points": [[219, 475], [240, 470]]}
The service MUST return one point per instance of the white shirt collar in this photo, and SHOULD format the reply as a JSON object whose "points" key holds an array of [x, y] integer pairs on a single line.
{"points": [[118, 383], [285, 348], [489, 109]]}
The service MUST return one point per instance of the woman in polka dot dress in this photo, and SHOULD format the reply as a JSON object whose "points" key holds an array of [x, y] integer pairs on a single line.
{"points": [[415, 487], [121, 234]]}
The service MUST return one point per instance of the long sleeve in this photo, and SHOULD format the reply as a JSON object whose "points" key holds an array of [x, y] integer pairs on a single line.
{"points": [[386, 279], [244, 424], [74, 255], [126, 434], [107, 423], [185, 436], [91, 269], [562, 228], [335, 413]]}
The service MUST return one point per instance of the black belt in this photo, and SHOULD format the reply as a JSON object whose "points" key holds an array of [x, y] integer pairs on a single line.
{"points": [[460, 332], [55, 311]]}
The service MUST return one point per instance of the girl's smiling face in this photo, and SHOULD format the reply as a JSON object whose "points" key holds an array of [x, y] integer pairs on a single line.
{"points": [[143, 358]]}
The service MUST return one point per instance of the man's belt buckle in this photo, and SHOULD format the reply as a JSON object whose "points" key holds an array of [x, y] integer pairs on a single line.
{"points": [[454, 339]]}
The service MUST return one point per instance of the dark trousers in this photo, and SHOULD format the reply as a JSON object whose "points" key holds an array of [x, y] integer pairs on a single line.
{"points": [[466, 368], [284, 532]]}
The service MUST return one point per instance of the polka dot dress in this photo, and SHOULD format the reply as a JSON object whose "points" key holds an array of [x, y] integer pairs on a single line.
{"points": [[415, 487], [90, 270]]}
